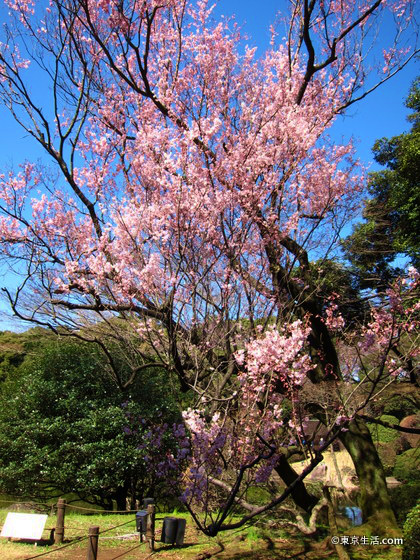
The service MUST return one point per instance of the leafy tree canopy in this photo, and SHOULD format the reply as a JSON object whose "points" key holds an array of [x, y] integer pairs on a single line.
{"points": [[392, 213], [193, 180], [66, 427], [336, 283]]}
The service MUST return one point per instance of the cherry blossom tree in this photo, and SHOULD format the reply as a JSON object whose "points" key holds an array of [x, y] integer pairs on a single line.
{"points": [[192, 182]]}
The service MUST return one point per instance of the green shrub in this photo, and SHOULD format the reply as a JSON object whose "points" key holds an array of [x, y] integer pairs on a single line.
{"points": [[403, 499], [412, 535], [381, 434], [258, 495], [65, 426], [400, 406], [407, 466]]}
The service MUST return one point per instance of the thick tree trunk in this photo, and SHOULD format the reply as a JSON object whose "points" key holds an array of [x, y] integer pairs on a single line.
{"points": [[375, 503], [121, 497], [300, 495], [374, 498]]}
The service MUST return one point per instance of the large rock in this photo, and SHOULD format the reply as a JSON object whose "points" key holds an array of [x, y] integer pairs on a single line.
{"points": [[412, 421]]}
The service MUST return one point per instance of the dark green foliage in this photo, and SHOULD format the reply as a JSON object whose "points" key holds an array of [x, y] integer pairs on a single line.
{"points": [[12, 353], [66, 427], [15, 347], [412, 535], [337, 283], [392, 213], [258, 495], [381, 434], [400, 406], [286, 410], [407, 466], [403, 499]]}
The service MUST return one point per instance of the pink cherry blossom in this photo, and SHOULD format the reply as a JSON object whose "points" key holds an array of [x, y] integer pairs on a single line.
{"points": [[193, 180]]}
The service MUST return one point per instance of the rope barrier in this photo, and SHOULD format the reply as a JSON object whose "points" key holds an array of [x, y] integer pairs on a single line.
{"points": [[94, 510], [116, 527], [127, 551], [100, 511], [27, 503], [67, 527], [79, 539], [84, 538], [11, 502]]}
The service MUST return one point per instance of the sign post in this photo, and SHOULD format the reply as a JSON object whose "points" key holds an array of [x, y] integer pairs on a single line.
{"points": [[24, 526]]}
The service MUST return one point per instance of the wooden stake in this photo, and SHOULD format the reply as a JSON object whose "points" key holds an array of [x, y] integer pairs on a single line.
{"points": [[150, 526], [59, 526], [92, 552]]}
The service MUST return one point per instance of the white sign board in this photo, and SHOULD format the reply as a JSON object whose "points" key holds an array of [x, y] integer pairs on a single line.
{"points": [[24, 526]]}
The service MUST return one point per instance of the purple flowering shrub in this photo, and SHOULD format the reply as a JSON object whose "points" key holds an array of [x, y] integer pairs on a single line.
{"points": [[163, 447]]}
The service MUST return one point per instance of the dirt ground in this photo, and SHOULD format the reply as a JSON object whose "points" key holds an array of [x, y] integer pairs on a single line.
{"points": [[238, 548], [274, 551], [196, 547], [245, 544]]}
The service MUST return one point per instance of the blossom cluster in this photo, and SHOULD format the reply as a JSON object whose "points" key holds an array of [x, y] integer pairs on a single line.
{"points": [[393, 322], [165, 446]]}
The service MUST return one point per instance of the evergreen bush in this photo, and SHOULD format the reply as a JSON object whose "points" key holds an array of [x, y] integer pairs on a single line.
{"points": [[411, 546], [407, 466], [381, 434], [403, 498], [400, 406]]}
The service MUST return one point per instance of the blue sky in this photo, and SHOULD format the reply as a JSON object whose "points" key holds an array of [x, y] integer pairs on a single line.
{"points": [[381, 114]]}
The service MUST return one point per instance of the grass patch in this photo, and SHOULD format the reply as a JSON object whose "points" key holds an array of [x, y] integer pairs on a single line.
{"points": [[118, 536]]}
